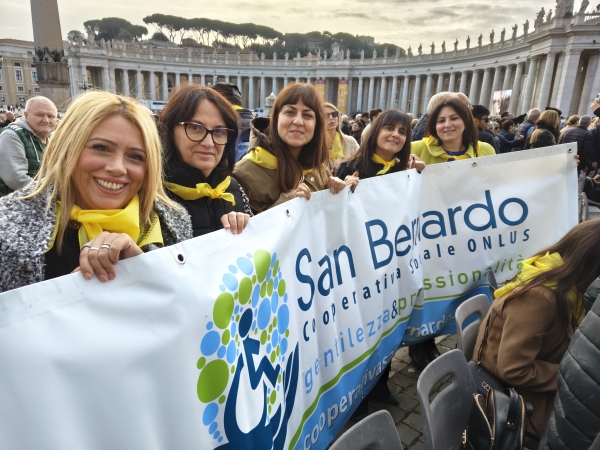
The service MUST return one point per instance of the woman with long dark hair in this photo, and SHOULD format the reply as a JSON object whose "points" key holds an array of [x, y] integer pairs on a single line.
{"points": [[533, 317], [199, 129], [288, 155], [386, 149], [450, 134]]}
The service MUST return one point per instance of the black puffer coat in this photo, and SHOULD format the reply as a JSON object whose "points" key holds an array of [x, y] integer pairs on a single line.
{"points": [[547, 137], [575, 421]]}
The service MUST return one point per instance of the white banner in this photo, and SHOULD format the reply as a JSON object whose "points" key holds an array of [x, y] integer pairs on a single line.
{"points": [[270, 339]]}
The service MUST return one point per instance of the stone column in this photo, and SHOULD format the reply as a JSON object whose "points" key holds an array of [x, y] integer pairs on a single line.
{"points": [[382, 97], [251, 94], [393, 103], [139, 85], [177, 79], [452, 82], [507, 77], [126, 83], [440, 83], [151, 85], [359, 95], [485, 87], [566, 84], [427, 95], [463, 83], [165, 86], [285, 81], [547, 80], [473, 94], [516, 89], [203, 80], [105, 79], [404, 100], [263, 91], [275, 86], [371, 93], [528, 95], [415, 100], [587, 94], [495, 86]]}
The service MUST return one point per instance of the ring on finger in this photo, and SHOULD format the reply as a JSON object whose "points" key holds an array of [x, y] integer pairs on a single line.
{"points": [[105, 245], [94, 248], [88, 245]]}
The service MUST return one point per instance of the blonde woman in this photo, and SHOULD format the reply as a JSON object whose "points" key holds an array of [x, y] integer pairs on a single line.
{"points": [[546, 130], [340, 146], [97, 198]]}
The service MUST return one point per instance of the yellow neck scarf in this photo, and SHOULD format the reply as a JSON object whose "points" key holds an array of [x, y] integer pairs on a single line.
{"points": [[337, 150], [537, 265], [202, 190], [446, 156], [386, 165], [127, 220], [265, 158]]}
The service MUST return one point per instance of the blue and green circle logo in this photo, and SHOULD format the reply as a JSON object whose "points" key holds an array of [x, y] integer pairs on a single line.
{"points": [[252, 307]]}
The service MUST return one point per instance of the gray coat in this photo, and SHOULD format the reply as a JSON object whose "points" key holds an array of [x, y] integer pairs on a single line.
{"points": [[26, 229]]}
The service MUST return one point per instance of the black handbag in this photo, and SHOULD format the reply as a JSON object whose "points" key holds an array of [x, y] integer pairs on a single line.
{"points": [[499, 414]]}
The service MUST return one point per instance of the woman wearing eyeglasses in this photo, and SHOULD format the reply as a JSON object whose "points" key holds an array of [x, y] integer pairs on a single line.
{"points": [[288, 154], [199, 130], [340, 146]]}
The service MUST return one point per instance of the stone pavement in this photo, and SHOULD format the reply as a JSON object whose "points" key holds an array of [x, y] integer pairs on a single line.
{"points": [[403, 384]]}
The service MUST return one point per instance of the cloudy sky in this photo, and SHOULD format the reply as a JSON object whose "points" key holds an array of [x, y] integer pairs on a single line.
{"points": [[401, 22]]}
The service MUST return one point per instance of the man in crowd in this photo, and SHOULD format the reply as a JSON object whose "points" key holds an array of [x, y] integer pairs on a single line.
{"points": [[10, 118], [23, 142], [373, 116], [365, 118], [232, 93], [482, 119], [584, 139], [346, 127], [528, 126]]}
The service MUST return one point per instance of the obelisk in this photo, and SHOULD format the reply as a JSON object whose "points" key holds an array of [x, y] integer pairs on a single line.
{"points": [[53, 76], [46, 24]]}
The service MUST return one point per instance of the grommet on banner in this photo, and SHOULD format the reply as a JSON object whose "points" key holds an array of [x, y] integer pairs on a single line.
{"points": [[180, 258], [287, 212], [570, 150], [474, 164]]}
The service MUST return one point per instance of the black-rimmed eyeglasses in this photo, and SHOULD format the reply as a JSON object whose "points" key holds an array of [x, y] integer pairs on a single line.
{"points": [[196, 132]]}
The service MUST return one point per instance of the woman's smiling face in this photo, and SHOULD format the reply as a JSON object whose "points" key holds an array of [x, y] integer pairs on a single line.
{"points": [[296, 125], [112, 165]]}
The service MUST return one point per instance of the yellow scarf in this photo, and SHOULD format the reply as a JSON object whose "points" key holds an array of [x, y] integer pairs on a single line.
{"points": [[336, 151], [202, 190], [446, 156], [127, 220], [386, 165], [265, 158], [537, 265], [236, 107]]}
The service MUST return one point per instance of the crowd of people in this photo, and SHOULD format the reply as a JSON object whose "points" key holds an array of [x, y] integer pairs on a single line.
{"points": [[110, 181]]}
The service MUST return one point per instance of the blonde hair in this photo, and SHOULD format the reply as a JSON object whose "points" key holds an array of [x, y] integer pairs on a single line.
{"points": [[549, 117], [332, 106], [61, 156], [573, 120]]}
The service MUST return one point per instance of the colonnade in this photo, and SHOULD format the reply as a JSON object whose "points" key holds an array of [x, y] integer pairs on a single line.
{"points": [[566, 79]]}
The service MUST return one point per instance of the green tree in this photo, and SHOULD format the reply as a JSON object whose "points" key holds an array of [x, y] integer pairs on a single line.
{"points": [[75, 36], [113, 27], [158, 36]]}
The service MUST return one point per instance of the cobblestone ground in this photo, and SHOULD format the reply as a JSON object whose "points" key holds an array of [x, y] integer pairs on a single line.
{"points": [[403, 384]]}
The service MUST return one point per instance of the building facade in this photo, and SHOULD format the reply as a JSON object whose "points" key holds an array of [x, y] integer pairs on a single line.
{"points": [[18, 74]]}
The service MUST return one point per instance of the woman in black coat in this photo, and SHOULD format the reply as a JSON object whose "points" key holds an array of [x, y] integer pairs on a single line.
{"points": [[199, 129], [546, 130]]}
